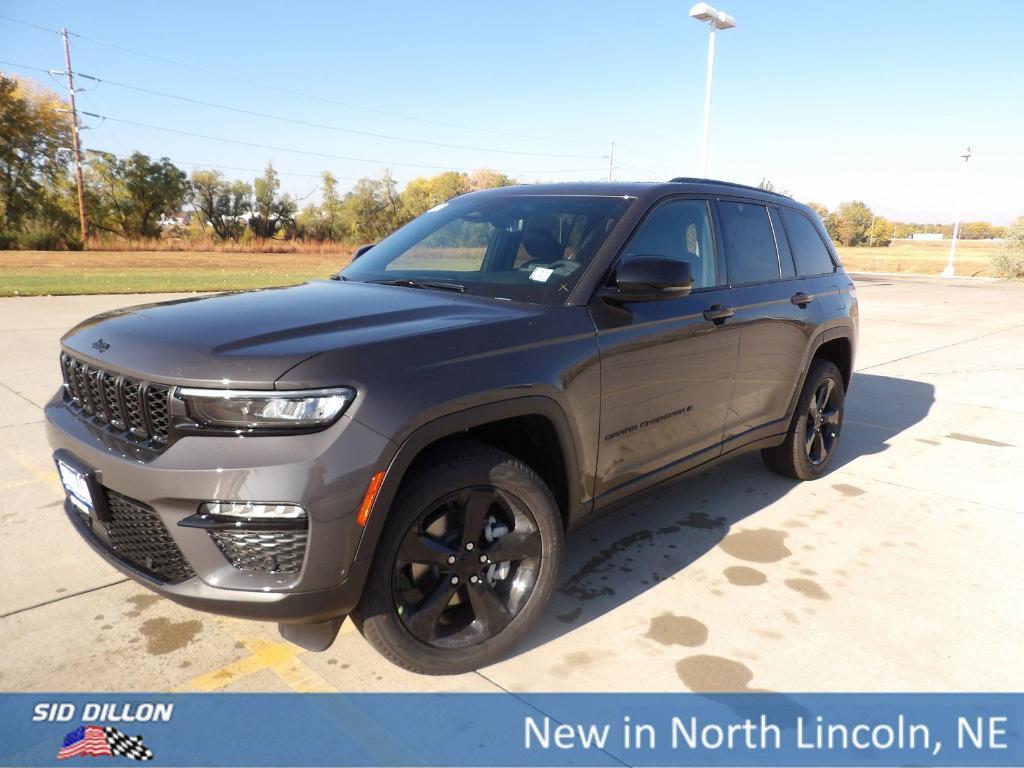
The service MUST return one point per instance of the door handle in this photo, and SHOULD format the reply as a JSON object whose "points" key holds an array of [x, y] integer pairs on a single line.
{"points": [[718, 314], [802, 299]]}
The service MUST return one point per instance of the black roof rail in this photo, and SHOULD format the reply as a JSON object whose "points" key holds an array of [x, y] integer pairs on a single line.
{"points": [[695, 180]]}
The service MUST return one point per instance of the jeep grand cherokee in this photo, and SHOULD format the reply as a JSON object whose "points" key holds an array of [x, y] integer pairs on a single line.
{"points": [[407, 442]]}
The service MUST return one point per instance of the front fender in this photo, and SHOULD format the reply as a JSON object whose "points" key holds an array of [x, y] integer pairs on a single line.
{"points": [[430, 430]]}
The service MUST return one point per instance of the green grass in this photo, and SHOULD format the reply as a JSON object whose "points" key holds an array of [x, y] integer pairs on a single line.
{"points": [[40, 273]]}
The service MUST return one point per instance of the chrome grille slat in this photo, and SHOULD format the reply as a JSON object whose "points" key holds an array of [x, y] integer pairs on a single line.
{"points": [[138, 410]]}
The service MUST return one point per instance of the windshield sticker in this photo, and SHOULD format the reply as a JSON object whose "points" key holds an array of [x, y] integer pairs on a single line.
{"points": [[541, 274]]}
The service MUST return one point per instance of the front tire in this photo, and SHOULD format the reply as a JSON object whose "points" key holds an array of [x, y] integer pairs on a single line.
{"points": [[810, 445], [465, 564]]}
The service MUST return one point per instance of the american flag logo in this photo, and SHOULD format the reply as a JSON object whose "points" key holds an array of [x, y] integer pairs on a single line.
{"points": [[99, 741]]}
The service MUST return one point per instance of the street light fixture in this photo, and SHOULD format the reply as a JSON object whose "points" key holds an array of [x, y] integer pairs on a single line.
{"points": [[716, 20], [949, 271]]}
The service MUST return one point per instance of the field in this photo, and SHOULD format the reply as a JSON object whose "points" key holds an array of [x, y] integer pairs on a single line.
{"points": [[38, 273], [35, 273], [973, 258]]}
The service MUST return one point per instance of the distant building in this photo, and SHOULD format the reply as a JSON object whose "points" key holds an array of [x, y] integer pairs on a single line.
{"points": [[179, 219], [926, 236]]}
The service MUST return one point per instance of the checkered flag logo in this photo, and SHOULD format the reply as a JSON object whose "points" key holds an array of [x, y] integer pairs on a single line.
{"points": [[127, 746], [97, 741]]}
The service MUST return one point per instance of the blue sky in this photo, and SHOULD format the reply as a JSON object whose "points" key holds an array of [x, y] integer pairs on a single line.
{"points": [[831, 100]]}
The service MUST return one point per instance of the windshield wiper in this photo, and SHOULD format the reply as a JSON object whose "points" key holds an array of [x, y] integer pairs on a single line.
{"points": [[406, 282]]}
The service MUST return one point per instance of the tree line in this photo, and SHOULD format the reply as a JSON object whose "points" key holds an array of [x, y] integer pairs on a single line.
{"points": [[131, 197]]}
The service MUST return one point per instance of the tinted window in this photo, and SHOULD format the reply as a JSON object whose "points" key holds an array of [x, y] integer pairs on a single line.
{"points": [[749, 243], [511, 246], [680, 229], [785, 254], [811, 254]]}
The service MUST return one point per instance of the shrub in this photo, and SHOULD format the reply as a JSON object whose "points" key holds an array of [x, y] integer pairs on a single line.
{"points": [[1009, 262]]}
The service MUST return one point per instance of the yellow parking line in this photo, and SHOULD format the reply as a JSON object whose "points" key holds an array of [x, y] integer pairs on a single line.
{"points": [[27, 463], [221, 678], [281, 658]]}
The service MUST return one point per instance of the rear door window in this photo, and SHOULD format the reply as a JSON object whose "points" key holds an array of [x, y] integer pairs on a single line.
{"points": [[749, 243], [809, 251]]}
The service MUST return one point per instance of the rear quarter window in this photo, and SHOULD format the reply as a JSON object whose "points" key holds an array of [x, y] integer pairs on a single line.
{"points": [[810, 253]]}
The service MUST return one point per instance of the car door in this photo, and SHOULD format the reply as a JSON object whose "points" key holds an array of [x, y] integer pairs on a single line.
{"points": [[666, 370], [775, 316]]}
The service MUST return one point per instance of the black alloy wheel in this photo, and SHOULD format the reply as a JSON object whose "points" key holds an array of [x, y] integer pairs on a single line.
{"points": [[464, 570], [823, 422]]}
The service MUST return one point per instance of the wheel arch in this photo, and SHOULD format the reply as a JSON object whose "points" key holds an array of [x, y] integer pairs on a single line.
{"points": [[507, 425], [835, 345]]}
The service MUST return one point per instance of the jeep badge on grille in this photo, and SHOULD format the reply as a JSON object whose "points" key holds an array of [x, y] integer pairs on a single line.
{"points": [[100, 345]]}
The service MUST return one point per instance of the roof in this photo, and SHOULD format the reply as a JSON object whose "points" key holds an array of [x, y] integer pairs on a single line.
{"points": [[640, 188]]}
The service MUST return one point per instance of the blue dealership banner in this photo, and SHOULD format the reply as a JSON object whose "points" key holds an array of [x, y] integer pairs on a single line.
{"points": [[224, 729]]}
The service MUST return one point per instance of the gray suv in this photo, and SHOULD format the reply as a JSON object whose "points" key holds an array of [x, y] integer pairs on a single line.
{"points": [[407, 442]]}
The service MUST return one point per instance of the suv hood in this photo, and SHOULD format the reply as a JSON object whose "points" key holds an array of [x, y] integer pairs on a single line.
{"points": [[249, 340]]}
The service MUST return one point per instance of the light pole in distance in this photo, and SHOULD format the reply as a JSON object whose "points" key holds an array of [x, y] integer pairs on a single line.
{"points": [[949, 270], [716, 20]]}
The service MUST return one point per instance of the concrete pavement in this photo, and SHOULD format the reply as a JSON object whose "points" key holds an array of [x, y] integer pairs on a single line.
{"points": [[901, 570]]}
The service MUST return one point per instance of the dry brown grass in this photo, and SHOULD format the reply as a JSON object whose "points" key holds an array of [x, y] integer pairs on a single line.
{"points": [[207, 243], [973, 258]]}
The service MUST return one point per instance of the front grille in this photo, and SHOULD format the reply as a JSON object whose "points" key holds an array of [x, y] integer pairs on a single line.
{"points": [[136, 409], [137, 535], [265, 551]]}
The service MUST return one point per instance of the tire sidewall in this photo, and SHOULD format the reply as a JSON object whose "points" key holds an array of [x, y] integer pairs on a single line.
{"points": [[377, 612], [821, 371]]}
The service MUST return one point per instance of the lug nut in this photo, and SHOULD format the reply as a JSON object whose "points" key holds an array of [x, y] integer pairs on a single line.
{"points": [[469, 546], [451, 559], [483, 558], [473, 579], [455, 580]]}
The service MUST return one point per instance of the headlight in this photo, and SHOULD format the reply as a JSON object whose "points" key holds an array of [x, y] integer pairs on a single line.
{"points": [[266, 410]]}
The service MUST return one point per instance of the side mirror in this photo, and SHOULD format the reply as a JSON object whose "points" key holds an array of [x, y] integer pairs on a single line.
{"points": [[361, 250], [650, 278]]}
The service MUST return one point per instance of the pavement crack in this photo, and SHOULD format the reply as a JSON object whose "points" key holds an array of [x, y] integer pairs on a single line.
{"points": [[62, 597], [16, 393], [944, 346]]}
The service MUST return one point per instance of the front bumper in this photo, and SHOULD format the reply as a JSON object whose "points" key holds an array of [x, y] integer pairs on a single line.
{"points": [[324, 472]]}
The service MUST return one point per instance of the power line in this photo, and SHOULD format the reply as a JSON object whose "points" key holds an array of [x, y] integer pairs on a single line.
{"points": [[218, 166], [29, 24], [326, 100], [325, 126], [312, 153]]}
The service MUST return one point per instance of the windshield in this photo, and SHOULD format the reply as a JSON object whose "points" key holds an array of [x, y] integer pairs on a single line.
{"points": [[531, 248]]}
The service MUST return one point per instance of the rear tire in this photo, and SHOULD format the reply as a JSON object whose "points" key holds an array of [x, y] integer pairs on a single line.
{"points": [[810, 445], [439, 597]]}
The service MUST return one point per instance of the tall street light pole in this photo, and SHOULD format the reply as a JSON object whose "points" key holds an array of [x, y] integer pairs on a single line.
{"points": [[949, 271], [716, 20]]}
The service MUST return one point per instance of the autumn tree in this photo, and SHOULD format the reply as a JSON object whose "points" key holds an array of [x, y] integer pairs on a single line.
{"points": [[375, 208], [269, 210], [128, 196], [222, 205], [34, 180]]}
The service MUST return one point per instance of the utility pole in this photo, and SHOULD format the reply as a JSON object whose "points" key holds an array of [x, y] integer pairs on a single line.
{"points": [[611, 161], [950, 271], [76, 147]]}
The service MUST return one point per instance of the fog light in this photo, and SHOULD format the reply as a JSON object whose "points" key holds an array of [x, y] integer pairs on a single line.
{"points": [[249, 510]]}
